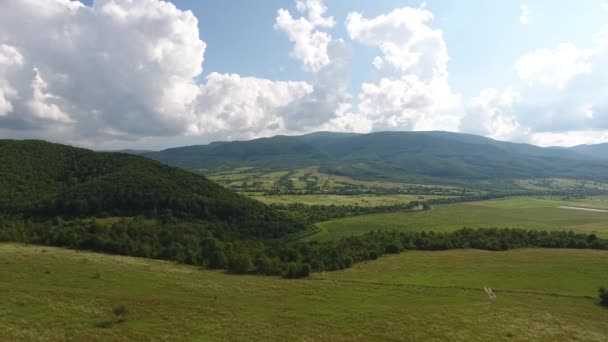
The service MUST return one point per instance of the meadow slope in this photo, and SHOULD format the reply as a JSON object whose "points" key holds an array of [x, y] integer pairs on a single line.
{"points": [[56, 294], [514, 212]]}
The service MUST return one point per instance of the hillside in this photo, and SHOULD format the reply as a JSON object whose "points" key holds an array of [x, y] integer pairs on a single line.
{"points": [[54, 294], [43, 180], [598, 150], [396, 156]]}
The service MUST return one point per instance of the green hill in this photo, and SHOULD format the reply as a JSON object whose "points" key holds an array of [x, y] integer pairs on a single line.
{"points": [[398, 156], [42, 180]]}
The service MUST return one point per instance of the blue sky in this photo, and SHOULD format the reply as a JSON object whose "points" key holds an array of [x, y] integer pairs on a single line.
{"points": [[153, 74], [484, 38]]}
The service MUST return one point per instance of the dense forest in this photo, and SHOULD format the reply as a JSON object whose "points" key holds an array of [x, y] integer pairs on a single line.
{"points": [[40, 181]]}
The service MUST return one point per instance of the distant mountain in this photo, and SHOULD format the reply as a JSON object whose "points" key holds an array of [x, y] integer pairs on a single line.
{"points": [[130, 151], [43, 180], [399, 156], [597, 151]]}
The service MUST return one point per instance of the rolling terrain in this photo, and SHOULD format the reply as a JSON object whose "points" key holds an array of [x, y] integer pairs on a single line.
{"points": [[517, 212], [418, 157], [55, 294], [43, 180]]}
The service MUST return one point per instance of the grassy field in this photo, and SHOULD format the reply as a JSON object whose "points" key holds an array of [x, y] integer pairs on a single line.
{"points": [[360, 200], [310, 179], [50, 294], [519, 212]]}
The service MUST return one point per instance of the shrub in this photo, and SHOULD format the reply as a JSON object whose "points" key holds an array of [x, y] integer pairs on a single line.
{"points": [[603, 294]]}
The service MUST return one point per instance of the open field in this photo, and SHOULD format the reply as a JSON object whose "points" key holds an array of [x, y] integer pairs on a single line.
{"points": [[311, 180], [517, 212], [541, 295], [360, 200], [560, 183]]}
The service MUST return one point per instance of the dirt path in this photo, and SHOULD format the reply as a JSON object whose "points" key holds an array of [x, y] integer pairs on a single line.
{"points": [[585, 209]]}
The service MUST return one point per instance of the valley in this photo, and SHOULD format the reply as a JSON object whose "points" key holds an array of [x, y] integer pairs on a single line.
{"points": [[243, 251]]}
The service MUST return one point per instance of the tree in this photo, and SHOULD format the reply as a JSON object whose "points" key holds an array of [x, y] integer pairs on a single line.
{"points": [[241, 263]]}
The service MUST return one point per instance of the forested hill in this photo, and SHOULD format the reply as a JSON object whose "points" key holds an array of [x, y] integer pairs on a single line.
{"points": [[400, 156], [598, 150], [44, 180]]}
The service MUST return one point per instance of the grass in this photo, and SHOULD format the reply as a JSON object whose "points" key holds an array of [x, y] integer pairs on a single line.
{"points": [[517, 212], [360, 200], [307, 179], [51, 294]]}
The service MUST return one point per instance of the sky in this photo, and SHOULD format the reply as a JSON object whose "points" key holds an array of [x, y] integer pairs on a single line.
{"points": [[152, 74]]}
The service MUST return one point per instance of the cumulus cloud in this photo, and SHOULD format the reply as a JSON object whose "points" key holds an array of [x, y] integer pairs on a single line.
{"points": [[310, 45], [413, 91], [494, 114], [562, 100], [120, 66], [327, 106], [554, 67], [243, 105], [122, 70]]}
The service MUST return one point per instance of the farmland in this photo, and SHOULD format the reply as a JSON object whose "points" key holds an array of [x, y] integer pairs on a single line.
{"points": [[541, 295], [519, 212]]}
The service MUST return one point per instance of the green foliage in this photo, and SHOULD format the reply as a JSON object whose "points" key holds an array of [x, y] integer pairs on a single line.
{"points": [[318, 213], [603, 294], [41, 180], [202, 243]]}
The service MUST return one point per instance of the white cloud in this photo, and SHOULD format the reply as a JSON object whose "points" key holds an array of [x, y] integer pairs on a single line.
{"points": [[124, 70], [570, 138], [554, 67], [243, 106], [310, 45], [10, 59], [524, 16], [604, 4], [316, 11], [494, 114], [45, 105], [413, 92], [561, 102], [328, 103]]}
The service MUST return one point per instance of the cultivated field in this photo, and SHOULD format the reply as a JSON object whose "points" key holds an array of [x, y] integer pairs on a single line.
{"points": [[50, 294], [354, 200], [519, 212], [255, 181]]}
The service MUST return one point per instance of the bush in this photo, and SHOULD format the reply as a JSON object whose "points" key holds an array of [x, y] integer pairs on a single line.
{"points": [[603, 294]]}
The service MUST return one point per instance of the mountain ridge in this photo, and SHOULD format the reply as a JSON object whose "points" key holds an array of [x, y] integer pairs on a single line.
{"points": [[392, 155]]}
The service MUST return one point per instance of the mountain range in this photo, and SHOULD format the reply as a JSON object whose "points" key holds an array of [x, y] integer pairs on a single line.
{"points": [[397, 156]]}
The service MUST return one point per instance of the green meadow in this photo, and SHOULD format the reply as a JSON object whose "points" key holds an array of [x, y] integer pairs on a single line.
{"points": [[52, 294], [354, 200], [543, 213]]}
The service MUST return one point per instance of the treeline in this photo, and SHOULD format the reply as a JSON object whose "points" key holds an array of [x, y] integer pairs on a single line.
{"points": [[202, 243], [318, 213]]}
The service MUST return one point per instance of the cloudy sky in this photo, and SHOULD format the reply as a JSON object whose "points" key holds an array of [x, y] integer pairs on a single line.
{"points": [[153, 74]]}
